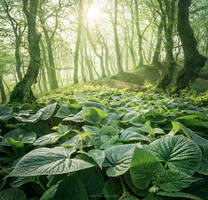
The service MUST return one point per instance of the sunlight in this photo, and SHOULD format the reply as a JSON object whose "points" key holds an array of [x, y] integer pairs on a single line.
{"points": [[94, 13]]}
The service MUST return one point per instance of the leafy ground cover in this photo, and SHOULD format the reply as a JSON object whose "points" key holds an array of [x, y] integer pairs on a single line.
{"points": [[95, 143]]}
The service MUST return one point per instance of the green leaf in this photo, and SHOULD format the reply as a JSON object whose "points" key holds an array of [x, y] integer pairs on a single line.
{"points": [[28, 137], [94, 115], [144, 167], [66, 110], [46, 161], [178, 153], [131, 198], [90, 129], [137, 121], [118, 159], [93, 181], [97, 155], [75, 118], [47, 111], [108, 130], [112, 189], [190, 120], [174, 180], [179, 195], [50, 193], [48, 139], [133, 136], [203, 169], [71, 188], [14, 143], [132, 187], [12, 194], [43, 114], [19, 181], [5, 113]]}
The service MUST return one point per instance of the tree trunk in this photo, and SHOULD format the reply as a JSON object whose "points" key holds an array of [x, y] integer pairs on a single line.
{"points": [[45, 63], [17, 57], [87, 61], [82, 65], [117, 45], [156, 55], [51, 68], [76, 56], [193, 61], [22, 92], [3, 94], [139, 35], [169, 19]]}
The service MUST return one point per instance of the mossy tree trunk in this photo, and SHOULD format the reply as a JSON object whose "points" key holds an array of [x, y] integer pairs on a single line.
{"points": [[168, 12], [193, 61], [22, 92]]}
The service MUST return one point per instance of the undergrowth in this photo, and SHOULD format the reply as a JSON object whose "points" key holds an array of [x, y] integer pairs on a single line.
{"points": [[93, 143]]}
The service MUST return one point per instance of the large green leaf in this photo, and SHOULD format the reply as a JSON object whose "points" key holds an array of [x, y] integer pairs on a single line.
{"points": [[12, 194], [94, 115], [46, 161], [93, 181], [71, 188], [66, 110], [144, 167], [118, 159], [179, 195], [174, 180], [132, 187], [203, 169], [131, 198], [178, 153], [47, 111], [51, 192], [112, 189], [127, 136], [97, 155], [5, 113], [42, 114], [190, 120], [47, 139]]}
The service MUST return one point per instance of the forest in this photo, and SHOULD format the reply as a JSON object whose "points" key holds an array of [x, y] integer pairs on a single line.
{"points": [[103, 99]]}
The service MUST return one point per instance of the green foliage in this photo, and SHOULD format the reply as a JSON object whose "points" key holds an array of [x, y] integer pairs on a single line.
{"points": [[118, 145]]}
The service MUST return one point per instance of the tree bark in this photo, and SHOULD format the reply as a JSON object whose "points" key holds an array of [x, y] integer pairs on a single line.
{"points": [[117, 45], [139, 35], [22, 92], [156, 55], [2, 90], [193, 61], [168, 11], [77, 48]]}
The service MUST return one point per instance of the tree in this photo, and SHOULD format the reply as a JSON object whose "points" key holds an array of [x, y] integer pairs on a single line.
{"points": [[117, 45], [18, 28], [168, 12], [193, 60], [5, 59], [49, 39], [22, 92], [77, 48]]}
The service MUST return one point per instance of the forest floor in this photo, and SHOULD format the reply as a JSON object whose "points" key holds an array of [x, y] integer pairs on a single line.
{"points": [[148, 76]]}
